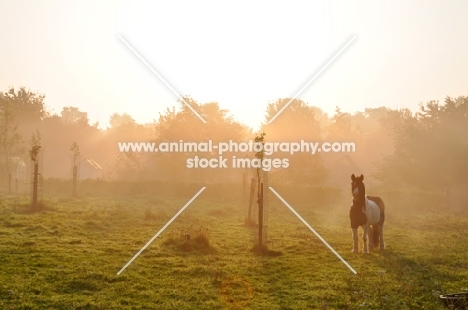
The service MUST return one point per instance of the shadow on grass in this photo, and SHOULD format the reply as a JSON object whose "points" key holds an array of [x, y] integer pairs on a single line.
{"points": [[402, 266], [264, 251], [27, 208], [199, 244], [402, 281]]}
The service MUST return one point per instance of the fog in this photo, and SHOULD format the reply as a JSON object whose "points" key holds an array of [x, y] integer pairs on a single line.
{"points": [[395, 149]]}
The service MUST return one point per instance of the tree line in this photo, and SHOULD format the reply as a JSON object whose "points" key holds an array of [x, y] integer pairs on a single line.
{"points": [[394, 147]]}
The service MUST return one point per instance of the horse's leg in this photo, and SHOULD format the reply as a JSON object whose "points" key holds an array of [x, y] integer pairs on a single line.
{"points": [[376, 234], [365, 237], [355, 241], [370, 234], [382, 243]]}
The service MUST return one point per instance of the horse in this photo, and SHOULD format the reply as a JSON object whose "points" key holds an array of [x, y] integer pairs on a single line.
{"points": [[369, 213]]}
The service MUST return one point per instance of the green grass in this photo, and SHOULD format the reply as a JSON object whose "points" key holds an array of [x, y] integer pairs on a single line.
{"points": [[68, 256]]}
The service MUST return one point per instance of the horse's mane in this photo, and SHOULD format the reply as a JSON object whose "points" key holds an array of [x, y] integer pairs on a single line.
{"points": [[357, 216], [362, 191], [360, 201]]}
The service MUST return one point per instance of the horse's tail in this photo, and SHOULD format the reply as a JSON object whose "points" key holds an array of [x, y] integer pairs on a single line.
{"points": [[377, 228], [375, 234]]}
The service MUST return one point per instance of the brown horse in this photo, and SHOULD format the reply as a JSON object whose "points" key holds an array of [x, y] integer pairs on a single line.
{"points": [[369, 213]]}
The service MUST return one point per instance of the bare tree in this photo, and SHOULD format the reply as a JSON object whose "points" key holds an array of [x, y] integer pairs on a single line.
{"points": [[260, 138], [75, 149], [35, 143]]}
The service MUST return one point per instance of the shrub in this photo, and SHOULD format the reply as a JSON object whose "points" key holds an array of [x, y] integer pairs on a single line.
{"points": [[189, 240]]}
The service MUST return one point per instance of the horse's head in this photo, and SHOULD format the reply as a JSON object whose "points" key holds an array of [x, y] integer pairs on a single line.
{"points": [[357, 187]]}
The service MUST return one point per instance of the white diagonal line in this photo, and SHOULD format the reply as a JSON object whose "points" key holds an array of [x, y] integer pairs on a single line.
{"points": [[161, 78], [160, 231], [313, 230], [311, 80]]}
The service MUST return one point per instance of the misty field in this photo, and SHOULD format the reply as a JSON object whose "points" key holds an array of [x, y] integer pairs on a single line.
{"points": [[68, 256]]}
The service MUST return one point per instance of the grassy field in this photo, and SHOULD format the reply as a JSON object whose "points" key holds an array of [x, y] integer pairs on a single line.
{"points": [[68, 256]]}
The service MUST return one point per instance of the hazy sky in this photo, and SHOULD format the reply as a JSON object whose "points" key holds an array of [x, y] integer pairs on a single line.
{"points": [[242, 54]]}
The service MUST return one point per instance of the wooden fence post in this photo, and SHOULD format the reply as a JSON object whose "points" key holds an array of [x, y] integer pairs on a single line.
{"points": [[260, 218]]}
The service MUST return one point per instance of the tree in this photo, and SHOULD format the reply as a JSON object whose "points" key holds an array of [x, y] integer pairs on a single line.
{"points": [[72, 115], [10, 139], [430, 147], [21, 113], [128, 166], [27, 106], [340, 128], [28, 109], [371, 131], [176, 125], [297, 122], [35, 144], [75, 149], [119, 120], [260, 138]]}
